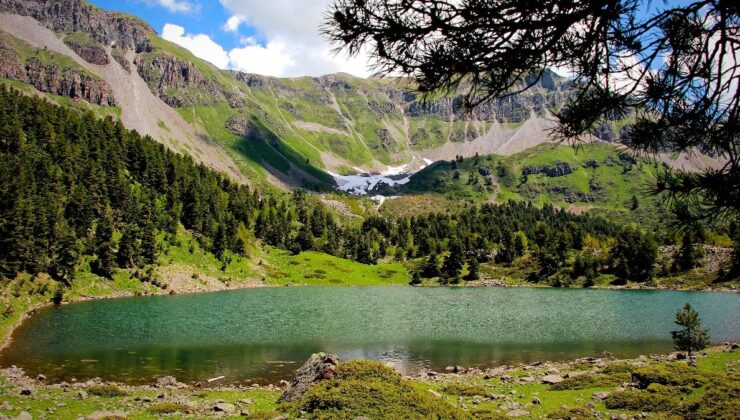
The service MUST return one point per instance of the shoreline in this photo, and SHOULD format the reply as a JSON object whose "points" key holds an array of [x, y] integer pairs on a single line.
{"points": [[587, 385], [6, 338]]}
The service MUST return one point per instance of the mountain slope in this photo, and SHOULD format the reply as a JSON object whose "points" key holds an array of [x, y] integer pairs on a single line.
{"points": [[288, 131], [140, 109]]}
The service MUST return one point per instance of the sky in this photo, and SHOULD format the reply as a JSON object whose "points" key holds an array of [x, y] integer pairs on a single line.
{"points": [[270, 37]]}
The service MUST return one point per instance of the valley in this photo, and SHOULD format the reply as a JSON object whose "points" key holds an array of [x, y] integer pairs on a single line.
{"points": [[176, 239]]}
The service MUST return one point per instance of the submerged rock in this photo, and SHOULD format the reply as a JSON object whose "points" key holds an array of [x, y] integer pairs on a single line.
{"points": [[318, 367]]}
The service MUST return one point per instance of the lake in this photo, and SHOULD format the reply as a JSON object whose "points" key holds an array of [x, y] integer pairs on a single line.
{"points": [[263, 335]]}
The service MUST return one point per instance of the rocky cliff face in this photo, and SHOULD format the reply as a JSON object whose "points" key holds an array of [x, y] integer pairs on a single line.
{"points": [[90, 51], [67, 82], [173, 81], [52, 78], [75, 16]]}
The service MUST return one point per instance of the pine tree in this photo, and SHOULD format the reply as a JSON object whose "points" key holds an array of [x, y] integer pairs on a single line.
{"points": [[688, 255], [453, 263], [692, 337], [431, 266], [472, 269]]}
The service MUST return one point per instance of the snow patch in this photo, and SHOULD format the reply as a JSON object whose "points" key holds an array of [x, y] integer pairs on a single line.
{"points": [[428, 161], [361, 184]]}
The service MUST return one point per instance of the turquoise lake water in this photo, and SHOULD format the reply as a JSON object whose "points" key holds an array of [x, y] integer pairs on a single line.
{"points": [[262, 335]]}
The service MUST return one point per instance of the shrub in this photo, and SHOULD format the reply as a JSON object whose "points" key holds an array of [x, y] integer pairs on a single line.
{"points": [[720, 402], [668, 390], [575, 413], [367, 370], [466, 390], [637, 401], [373, 390], [669, 374], [168, 408], [591, 381], [619, 368], [108, 391]]}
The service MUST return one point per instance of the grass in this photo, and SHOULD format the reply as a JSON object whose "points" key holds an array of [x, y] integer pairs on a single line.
{"points": [[313, 268], [607, 189]]}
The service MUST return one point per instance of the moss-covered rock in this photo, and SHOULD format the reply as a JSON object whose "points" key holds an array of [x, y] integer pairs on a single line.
{"points": [[676, 374], [638, 401], [591, 381], [373, 390]]}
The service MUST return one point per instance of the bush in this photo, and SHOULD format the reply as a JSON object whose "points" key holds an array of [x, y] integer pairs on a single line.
{"points": [[466, 390], [676, 374], [619, 368], [575, 413], [720, 402], [637, 401], [108, 391], [668, 390], [367, 370], [168, 408], [373, 390], [591, 381], [351, 398]]}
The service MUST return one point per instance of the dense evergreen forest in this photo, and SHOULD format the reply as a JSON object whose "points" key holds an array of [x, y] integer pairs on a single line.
{"points": [[74, 187]]}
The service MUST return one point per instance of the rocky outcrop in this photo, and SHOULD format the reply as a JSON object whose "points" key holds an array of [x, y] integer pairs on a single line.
{"points": [[11, 66], [178, 83], [50, 77], [67, 82], [69, 16], [318, 367], [560, 169], [89, 50]]}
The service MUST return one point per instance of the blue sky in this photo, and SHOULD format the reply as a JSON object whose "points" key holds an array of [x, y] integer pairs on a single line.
{"points": [[271, 37]]}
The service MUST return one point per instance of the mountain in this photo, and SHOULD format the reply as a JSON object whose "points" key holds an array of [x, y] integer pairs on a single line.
{"points": [[251, 126]]}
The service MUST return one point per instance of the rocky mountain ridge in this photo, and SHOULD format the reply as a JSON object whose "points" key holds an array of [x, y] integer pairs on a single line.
{"points": [[293, 131]]}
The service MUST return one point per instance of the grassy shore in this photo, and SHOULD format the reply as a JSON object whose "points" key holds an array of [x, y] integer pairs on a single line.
{"points": [[645, 387]]}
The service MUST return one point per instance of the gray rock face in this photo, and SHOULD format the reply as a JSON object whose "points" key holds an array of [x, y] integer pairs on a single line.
{"points": [[67, 82], [75, 16], [92, 53], [318, 367], [163, 73]]}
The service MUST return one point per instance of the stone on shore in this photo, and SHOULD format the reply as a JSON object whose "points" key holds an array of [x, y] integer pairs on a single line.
{"points": [[318, 367], [552, 379]]}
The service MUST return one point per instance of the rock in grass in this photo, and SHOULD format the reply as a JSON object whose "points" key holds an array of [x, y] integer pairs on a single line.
{"points": [[517, 413], [225, 408], [318, 367], [552, 379]]}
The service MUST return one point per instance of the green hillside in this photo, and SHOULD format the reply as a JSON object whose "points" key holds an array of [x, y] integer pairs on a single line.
{"points": [[605, 179]]}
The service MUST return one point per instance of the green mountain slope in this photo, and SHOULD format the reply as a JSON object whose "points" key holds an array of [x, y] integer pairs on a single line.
{"points": [[595, 177]]}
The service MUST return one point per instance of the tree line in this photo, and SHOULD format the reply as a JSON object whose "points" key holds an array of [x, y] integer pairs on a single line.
{"points": [[76, 189]]}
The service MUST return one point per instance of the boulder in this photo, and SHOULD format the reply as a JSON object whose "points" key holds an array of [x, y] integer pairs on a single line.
{"points": [[517, 413], [24, 415], [318, 367], [552, 379], [167, 381], [224, 408], [27, 390]]}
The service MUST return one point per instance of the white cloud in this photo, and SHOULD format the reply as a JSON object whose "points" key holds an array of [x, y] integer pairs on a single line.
{"points": [[233, 23], [294, 46], [177, 6], [291, 42], [200, 45], [270, 59]]}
